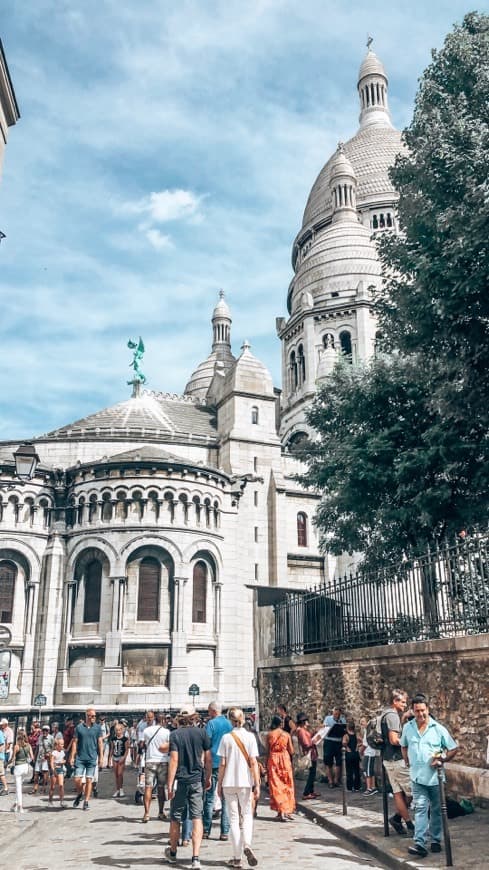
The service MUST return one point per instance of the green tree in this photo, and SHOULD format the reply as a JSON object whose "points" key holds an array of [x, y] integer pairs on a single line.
{"points": [[381, 475], [402, 450], [435, 300]]}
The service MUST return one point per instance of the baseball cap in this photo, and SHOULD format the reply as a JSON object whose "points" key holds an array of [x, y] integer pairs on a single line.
{"points": [[3, 721], [186, 712], [46, 728]]}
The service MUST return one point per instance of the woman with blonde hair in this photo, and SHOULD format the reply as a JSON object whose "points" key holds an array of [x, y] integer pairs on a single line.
{"points": [[21, 760], [238, 780]]}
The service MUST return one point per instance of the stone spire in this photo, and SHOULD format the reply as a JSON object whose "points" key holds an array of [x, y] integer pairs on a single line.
{"points": [[221, 324], [343, 187], [372, 90]]}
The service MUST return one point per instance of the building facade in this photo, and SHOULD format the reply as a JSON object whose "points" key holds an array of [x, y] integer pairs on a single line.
{"points": [[9, 110], [127, 565]]}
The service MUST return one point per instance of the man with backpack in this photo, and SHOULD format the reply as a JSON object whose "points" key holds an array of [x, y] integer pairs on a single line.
{"points": [[393, 762]]}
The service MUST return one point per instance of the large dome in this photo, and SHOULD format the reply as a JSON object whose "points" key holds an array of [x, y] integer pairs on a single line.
{"points": [[371, 151]]}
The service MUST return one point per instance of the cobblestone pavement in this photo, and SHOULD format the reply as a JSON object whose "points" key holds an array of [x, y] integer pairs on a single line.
{"points": [[111, 834]]}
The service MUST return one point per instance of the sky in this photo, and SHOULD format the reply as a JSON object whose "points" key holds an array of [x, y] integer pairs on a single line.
{"points": [[165, 151]]}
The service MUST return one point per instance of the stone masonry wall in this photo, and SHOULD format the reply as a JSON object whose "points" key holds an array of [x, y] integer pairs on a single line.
{"points": [[453, 673]]}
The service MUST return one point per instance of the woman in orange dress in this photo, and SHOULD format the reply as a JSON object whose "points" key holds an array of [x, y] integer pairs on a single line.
{"points": [[279, 769]]}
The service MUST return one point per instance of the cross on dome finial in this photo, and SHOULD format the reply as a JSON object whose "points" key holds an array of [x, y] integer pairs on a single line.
{"points": [[221, 294], [370, 39], [246, 345]]}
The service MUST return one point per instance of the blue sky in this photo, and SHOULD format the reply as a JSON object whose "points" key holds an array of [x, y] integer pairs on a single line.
{"points": [[165, 151]]}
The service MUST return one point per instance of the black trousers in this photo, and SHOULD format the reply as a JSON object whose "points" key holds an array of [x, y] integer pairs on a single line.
{"points": [[311, 778], [353, 772]]}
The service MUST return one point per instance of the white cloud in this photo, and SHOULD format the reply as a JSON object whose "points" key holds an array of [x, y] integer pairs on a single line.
{"points": [[165, 206], [158, 239]]}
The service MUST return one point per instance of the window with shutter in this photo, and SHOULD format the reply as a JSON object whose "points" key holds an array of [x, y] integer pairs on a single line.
{"points": [[93, 588], [149, 590], [8, 575], [199, 593]]}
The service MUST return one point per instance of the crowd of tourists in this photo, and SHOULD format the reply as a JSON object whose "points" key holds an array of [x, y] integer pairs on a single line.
{"points": [[217, 765]]}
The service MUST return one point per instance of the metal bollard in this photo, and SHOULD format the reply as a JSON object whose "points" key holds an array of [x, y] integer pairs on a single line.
{"points": [[343, 779], [385, 804], [444, 817]]}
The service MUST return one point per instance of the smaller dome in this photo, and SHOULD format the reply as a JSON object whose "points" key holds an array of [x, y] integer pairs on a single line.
{"points": [[340, 165], [249, 375], [371, 65], [222, 308]]}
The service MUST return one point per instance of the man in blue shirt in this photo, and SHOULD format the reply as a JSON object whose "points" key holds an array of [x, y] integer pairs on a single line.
{"points": [[216, 727], [88, 749], [425, 745]]}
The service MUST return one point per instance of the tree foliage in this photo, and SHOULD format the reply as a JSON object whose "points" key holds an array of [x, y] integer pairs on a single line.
{"points": [[403, 452]]}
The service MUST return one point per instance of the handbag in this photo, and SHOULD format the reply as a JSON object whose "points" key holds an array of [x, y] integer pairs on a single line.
{"points": [[304, 762]]}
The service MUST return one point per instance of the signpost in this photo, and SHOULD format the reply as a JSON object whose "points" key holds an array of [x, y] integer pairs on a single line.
{"points": [[193, 691], [40, 701]]}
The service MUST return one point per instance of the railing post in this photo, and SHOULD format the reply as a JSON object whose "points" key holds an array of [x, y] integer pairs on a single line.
{"points": [[343, 779]]}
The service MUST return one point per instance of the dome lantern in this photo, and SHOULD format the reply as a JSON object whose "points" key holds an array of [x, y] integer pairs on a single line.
{"points": [[372, 91]]}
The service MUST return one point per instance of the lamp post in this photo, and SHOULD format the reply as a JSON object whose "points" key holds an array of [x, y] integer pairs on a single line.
{"points": [[26, 462]]}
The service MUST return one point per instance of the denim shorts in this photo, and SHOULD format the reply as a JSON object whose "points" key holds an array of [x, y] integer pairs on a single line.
{"points": [[84, 768], [192, 792], [155, 773]]}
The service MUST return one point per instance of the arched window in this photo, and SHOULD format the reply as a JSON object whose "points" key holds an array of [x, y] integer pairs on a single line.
{"points": [[8, 575], [301, 529], [199, 593], [375, 222], [345, 341], [93, 587], [254, 414], [301, 364], [149, 590], [294, 379]]}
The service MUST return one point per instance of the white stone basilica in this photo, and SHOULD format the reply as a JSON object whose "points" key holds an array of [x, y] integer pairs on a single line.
{"points": [[127, 564]]}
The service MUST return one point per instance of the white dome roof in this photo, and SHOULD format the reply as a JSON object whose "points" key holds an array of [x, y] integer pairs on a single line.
{"points": [[371, 65], [371, 151]]}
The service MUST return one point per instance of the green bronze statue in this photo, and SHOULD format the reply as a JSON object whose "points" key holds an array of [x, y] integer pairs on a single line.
{"points": [[138, 349]]}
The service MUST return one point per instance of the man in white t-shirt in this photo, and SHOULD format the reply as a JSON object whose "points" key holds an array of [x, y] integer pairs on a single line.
{"points": [[239, 778], [157, 745]]}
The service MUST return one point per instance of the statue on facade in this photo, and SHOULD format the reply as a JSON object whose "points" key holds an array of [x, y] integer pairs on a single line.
{"points": [[138, 348]]}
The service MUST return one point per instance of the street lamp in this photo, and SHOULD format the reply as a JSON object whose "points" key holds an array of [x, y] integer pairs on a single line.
{"points": [[26, 461]]}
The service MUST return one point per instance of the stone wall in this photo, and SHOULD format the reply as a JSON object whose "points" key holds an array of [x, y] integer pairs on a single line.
{"points": [[453, 673]]}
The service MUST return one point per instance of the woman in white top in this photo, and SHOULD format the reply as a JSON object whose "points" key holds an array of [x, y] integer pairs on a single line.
{"points": [[239, 778]]}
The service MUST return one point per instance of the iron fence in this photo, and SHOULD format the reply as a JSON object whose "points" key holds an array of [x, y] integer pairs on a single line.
{"points": [[444, 593]]}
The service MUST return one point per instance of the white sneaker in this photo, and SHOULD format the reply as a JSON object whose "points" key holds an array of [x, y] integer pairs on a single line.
{"points": [[121, 793], [116, 794]]}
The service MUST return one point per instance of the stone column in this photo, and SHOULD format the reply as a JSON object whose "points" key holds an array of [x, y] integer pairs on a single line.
{"points": [[218, 667], [50, 616], [178, 677], [27, 670]]}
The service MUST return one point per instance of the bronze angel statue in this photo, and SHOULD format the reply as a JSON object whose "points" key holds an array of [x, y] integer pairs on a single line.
{"points": [[138, 348]]}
